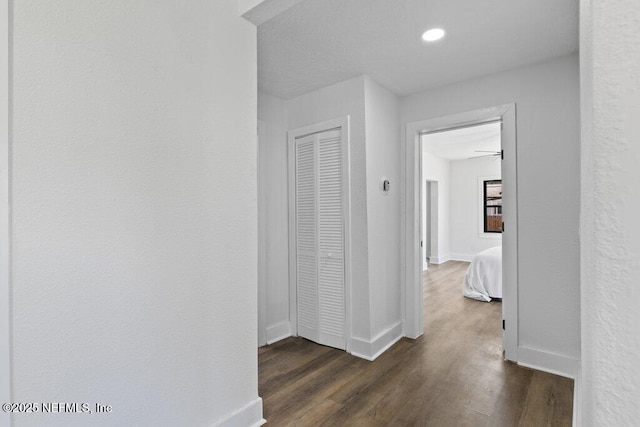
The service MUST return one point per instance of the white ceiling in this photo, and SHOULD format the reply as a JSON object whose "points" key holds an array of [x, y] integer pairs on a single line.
{"points": [[463, 143], [320, 42]]}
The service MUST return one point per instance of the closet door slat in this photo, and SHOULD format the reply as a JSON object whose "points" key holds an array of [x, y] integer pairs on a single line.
{"points": [[331, 239], [306, 238]]}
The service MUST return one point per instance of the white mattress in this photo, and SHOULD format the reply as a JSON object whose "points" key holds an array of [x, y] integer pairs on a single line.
{"points": [[484, 276]]}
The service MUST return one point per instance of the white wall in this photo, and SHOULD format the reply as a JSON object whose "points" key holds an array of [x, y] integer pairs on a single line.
{"points": [[547, 98], [609, 385], [273, 158], [383, 209], [134, 211], [374, 154], [467, 233], [458, 235], [437, 169], [333, 102], [5, 308]]}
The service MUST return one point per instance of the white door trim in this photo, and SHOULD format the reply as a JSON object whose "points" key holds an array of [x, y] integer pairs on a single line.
{"points": [[412, 307], [262, 234], [343, 125], [5, 257]]}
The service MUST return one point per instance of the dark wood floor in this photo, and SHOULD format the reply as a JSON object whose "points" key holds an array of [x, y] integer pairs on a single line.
{"points": [[454, 375]]}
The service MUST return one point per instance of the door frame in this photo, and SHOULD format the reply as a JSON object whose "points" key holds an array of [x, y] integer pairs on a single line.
{"points": [[292, 135], [262, 234], [412, 296]]}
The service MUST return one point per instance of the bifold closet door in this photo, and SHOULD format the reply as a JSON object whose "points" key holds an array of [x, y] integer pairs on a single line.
{"points": [[320, 238]]}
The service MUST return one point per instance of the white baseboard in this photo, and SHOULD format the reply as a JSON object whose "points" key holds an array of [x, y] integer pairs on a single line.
{"points": [[370, 350], [279, 331], [440, 259], [249, 415], [548, 362], [461, 257]]}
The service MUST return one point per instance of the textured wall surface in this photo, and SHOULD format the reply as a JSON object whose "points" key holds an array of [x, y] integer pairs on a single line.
{"points": [[5, 309], [609, 385], [134, 210], [548, 144]]}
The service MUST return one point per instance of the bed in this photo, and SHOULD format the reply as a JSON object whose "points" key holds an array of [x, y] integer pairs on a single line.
{"points": [[483, 280]]}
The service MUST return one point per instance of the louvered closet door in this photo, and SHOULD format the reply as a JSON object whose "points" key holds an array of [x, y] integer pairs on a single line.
{"points": [[320, 225], [307, 237]]}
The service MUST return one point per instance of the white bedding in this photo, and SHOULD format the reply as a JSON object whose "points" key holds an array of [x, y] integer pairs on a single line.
{"points": [[484, 276]]}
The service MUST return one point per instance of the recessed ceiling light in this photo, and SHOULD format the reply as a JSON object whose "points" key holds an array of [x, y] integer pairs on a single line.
{"points": [[433, 34]]}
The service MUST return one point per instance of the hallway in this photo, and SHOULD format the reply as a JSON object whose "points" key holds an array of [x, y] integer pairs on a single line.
{"points": [[453, 375]]}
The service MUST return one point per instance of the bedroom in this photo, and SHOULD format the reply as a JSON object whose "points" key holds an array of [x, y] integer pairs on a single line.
{"points": [[462, 205]]}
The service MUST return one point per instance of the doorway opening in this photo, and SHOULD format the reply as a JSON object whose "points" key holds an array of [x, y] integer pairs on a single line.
{"points": [[464, 216], [461, 222], [486, 204]]}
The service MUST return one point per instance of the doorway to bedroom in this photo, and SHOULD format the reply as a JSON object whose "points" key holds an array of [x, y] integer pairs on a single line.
{"points": [[461, 235], [461, 207]]}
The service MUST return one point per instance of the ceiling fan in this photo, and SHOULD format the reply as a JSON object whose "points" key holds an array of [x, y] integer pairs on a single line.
{"points": [[491, 154]]}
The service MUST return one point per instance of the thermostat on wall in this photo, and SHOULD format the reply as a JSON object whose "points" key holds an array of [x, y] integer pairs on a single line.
{"points": [[386, 185]]}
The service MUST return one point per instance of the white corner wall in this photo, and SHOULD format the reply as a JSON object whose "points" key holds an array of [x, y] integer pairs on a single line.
{"points": [[467, 235], [333, 102], [133, 183], [273, 158], [435, 168], [382, 123], [375, 217], [608, 388], [548, 135]]}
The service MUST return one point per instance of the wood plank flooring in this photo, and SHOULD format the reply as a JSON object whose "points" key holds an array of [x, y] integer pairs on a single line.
{"points": [[454, 375]]}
